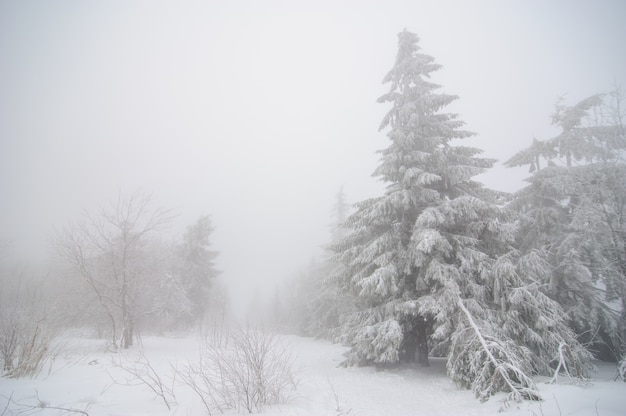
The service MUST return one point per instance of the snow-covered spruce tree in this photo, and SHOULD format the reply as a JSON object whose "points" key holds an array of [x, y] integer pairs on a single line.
{"points": [[433, 258], [328, 303], [310, 303], [573, 213], [197, 266]]}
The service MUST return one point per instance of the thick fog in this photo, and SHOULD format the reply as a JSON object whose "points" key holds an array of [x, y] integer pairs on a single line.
{"points": [[256, 113]]}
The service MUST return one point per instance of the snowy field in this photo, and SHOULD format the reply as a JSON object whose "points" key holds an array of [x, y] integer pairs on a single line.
{"points": [[84, 379]]}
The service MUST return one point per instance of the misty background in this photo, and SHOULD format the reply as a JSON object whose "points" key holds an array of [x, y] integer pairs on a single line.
{"points": [[256, 113]]}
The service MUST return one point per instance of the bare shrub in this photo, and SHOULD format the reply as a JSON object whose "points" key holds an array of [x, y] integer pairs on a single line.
{"points": [[28, 328], [248, 371], [142, 372]]}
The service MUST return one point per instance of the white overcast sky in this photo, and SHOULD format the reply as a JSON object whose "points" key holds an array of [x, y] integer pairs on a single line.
{"points": [[256, 112]]}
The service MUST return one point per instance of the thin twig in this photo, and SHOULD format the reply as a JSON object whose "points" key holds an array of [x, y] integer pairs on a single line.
{"points": [[9, 400], [41, 404], [557, 404]]}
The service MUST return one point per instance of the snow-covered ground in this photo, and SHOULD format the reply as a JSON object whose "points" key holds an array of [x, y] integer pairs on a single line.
{"points": [[86, 378]]}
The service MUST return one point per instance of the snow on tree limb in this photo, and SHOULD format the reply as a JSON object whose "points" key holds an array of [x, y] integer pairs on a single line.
{"points": [[520, 385]]}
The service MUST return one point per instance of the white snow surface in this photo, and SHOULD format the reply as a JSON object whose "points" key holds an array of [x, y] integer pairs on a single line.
{"points": [[84, 377]]}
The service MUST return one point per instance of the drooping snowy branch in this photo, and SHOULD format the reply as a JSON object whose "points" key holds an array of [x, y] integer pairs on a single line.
{"points": [[505, 371]]}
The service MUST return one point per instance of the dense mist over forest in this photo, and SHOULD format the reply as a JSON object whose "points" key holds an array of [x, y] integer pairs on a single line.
{"points": [[256, 114], [429, 185]]}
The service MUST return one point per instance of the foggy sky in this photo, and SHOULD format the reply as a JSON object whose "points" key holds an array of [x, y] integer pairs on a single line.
{"points": [[257, 112]]}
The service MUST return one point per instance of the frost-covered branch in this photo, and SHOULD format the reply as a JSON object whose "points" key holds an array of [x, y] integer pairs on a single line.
{"points": [[562, 366], [22, 408], [506, 371]]}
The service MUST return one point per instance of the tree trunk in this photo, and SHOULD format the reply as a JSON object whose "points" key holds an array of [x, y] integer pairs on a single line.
{"points": [[8, 363], [408, 347], [128, 333], [422, 342]]}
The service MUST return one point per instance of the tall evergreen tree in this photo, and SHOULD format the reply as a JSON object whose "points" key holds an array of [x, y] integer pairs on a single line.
{"points": [[197, 270], [433, 261], [339, 214], [573, 212], [327, 303]]}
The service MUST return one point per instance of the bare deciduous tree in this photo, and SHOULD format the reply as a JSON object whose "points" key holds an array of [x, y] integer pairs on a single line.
{"points": [[109, 253]]}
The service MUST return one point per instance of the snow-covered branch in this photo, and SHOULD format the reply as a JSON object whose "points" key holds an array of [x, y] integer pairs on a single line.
{"points": [[505, 369]]}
